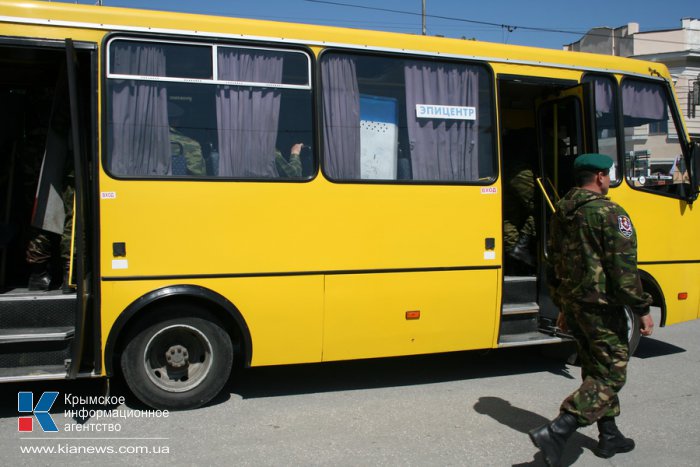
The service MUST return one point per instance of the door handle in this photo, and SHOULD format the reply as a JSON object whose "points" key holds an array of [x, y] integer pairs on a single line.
{"points": [[546, 196]]}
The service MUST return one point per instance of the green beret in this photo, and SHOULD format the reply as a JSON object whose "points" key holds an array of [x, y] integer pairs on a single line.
{"points": [[593, 162]]}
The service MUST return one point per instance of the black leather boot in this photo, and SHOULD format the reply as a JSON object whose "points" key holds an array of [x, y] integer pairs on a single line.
{"points": [[610, 440], [66, 287], [551, 438], [39, 277], [521, 251]]}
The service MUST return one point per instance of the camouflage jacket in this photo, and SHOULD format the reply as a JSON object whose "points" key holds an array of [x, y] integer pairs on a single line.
{"points": [[593, 253], [287, 168]]}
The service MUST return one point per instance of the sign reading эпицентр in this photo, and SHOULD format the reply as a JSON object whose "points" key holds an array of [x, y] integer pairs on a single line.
{"points": [[451, 112]]}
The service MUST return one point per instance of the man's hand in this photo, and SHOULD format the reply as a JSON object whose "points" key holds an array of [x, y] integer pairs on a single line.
{"points": [[296, 149], [647, 324]]}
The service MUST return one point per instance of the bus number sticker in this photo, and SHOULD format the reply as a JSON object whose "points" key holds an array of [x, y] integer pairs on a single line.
{"points": [[108, 195], [450, 112], [489, 190]]}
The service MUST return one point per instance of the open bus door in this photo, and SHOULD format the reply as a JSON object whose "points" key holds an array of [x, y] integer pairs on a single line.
{"points": [[566, 128], [42, 331], [78, 264]]}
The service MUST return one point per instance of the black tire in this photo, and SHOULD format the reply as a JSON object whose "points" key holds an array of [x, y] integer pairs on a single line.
{"points": [[633, 332], [177, 363]]}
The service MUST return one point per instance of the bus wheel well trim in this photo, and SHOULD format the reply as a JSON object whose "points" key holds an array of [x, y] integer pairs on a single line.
{"points": [[207, 300]]}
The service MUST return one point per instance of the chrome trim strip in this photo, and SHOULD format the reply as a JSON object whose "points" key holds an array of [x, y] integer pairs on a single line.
{"points": [[549, 340], [38, 337], [47, 376]]}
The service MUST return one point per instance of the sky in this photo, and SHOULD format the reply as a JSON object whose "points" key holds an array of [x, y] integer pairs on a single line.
{"points": [[508, 20]]}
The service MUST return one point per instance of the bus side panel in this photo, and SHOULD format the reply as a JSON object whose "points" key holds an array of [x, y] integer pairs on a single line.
{"points": [[666, 232], [284, 314], [367, 313], [675, 279]]}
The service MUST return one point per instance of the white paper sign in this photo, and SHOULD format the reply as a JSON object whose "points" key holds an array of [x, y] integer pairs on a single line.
{"points": [[120, 264], [450, 112]]}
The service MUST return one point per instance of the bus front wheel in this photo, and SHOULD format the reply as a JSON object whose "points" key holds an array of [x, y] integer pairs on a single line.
{"points": [[177, 363], [633, 331]]}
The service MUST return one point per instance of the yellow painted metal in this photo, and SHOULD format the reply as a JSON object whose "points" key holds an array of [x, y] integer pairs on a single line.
{"points": [[667, 232], [284, 314], [366, 314]]}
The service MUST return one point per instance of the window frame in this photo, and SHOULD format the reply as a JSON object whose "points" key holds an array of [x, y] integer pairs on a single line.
{"points": [[680, 130], [485, 65], [619, 123], [214, 43]]}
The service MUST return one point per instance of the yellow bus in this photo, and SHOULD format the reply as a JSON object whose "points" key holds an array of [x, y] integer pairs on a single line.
{"points": [[263, 193]]}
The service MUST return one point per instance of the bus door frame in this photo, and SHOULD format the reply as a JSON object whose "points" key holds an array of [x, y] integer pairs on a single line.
{"points": [[583, 95], [85, 182]]}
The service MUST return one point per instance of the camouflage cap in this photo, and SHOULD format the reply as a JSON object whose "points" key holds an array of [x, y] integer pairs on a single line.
{"points": [[593, 162]]}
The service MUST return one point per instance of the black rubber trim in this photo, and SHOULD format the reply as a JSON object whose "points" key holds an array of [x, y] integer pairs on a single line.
{"points": [[684, 261], [294, 273]]}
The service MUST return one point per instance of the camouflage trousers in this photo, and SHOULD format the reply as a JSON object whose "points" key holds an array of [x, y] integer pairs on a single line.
{"points": [[40, 246], [518, 208], [603, 349], [514, 228]]}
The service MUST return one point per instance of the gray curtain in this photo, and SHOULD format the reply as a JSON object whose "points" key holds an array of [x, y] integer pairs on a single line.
{"points": [[643, 102], [140, 140], [248, 117], [341, 117], [603, 95], [442, 149]]}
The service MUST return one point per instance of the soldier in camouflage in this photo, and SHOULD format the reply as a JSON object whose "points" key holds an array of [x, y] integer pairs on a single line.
{"points": [[191, 151], [518, 212], [289, 168], [519, 231], [592, 273]]}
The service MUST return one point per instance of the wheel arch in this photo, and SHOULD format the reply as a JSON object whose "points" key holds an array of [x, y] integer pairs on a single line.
{"points": [[149, 304], [650, 285]]}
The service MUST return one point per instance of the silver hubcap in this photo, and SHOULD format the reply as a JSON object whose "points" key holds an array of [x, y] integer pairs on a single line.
{"points": [[178, 358], [630, 323]]}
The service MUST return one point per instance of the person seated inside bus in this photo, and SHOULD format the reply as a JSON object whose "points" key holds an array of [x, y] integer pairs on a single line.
{"points": [[519, 228], [289, 167], [679, 172], [187, 158], [51, 223]]}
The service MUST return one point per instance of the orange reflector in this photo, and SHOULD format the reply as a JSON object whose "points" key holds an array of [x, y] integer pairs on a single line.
{"points": [[413, 314], [682, 295]]}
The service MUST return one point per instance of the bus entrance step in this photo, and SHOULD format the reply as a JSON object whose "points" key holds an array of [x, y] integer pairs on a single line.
{"points": [[518, 318], [19, 335], [519, 289], [528, 338], [21, 309]]}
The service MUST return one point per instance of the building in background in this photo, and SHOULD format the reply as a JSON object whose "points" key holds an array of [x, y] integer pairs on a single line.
{"points": [[678, 49]]}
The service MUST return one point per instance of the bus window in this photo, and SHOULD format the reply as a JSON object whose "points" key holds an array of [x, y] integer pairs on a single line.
{"points": [[172, 117], [605, 119], [653, 153], [406, 119]]}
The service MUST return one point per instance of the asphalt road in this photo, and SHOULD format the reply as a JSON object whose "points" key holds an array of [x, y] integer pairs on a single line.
{"points": [[467, 408]]}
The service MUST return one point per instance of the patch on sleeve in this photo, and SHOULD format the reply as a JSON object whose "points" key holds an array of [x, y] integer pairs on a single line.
{"points": [[624, 224]]}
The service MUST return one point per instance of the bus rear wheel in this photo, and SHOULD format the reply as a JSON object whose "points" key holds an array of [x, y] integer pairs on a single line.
{"points": [[177, 363]]}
